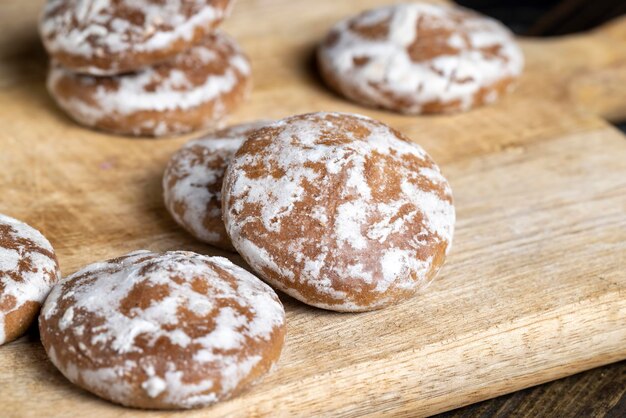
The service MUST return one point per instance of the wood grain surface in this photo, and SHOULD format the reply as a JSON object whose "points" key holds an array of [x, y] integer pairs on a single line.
{"points": [[534, 288], [598, 393]]}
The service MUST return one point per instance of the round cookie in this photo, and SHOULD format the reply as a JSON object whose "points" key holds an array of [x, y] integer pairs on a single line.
{"points": [[339, 211], [28, 270], [107, 37], [167, 331], [420, 58], [192, 183], [195, 90]]}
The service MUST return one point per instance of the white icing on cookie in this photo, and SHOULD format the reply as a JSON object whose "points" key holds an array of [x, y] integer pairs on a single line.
{"points": [[182, 329], [407, 57], [109, 28], [338, 210], [28, 270], [192, 182], [206, 73]]}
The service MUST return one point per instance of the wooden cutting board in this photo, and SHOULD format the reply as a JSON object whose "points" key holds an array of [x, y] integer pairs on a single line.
{"points": [[534, 289]]}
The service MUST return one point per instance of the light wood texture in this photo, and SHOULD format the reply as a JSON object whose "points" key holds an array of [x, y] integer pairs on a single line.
{"points": [[533, 290]]}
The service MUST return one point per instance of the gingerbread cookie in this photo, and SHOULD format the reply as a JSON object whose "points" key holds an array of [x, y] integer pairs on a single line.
{"points": [[195, 90], [339, 211], [170, 330], [108, 37], [28, 270], [420, 58], [192, 183]]}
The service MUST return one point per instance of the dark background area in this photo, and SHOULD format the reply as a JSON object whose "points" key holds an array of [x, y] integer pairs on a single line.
{"points": [[549, 17], [600, 392]]}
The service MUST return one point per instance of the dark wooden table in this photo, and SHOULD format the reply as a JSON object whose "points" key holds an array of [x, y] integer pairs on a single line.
{"points": [[597, 393]]}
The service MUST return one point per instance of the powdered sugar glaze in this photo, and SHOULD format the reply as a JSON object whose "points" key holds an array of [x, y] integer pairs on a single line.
{"points": [[337, 210], [417, 57], [176, 329]]}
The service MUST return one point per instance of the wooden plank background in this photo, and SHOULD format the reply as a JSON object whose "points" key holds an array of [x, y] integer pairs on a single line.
{"points": [[533, 290]]}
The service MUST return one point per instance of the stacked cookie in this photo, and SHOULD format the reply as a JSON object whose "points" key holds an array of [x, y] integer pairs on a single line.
{"points": [[142, 67], [337, 210]]}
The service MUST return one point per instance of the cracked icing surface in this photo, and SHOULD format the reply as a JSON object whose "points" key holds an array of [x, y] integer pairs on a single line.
{"points": [[28, 270], [420, 58], [105, 37], [168, 330], [339, 211], [195, 90], [192, 183]]}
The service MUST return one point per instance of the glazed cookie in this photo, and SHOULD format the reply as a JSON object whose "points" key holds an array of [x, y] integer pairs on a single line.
{"points": [[420, 58], [339, 211], [170, 330], [28, 270], [107, 37], [192, 183], [195, 90]]}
